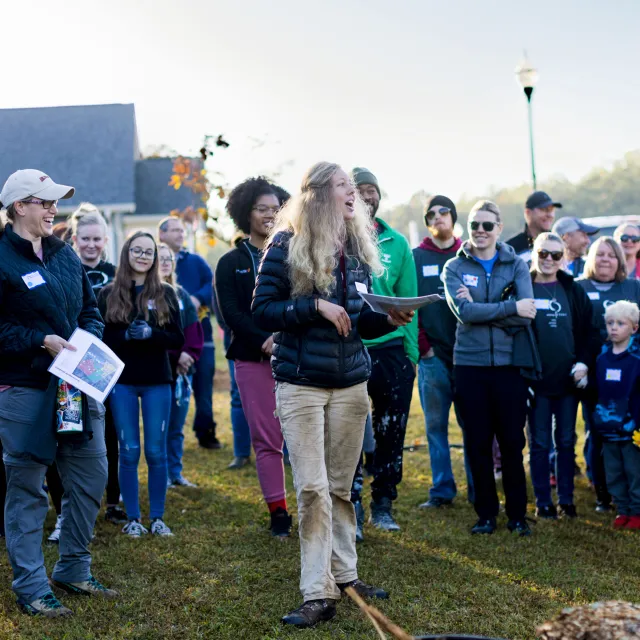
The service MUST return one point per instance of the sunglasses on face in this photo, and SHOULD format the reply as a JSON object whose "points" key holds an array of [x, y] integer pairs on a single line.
{"points": [[556, 256], [443, 211], [487, 226], [627, 238]]}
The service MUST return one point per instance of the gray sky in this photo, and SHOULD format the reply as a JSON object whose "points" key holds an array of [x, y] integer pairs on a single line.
{"points": [[422, 92]]}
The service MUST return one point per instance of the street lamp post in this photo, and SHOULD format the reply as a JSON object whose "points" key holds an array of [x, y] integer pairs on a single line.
{"points": [[527, 78]]}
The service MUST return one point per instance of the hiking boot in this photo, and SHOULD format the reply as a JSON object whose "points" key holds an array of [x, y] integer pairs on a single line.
{"points": [[621, 522], [209, 441], [48, 606], [238, 462], [633, 523], [365, 590], [115, 515], [54, 538], [90, 587], [381, 517], [435, 503], [159, 528], [281, 523], [181, 481], [310, 613], [521, 527], [484, 526], [567, 511], [547, 513], [134, 529], [359, 509]]}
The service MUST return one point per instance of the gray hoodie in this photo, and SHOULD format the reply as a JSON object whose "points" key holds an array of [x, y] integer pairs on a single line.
{"points": [[481, 339]]}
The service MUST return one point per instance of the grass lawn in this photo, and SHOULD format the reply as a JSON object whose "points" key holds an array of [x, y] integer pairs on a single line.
{"points": [[223, 576]]}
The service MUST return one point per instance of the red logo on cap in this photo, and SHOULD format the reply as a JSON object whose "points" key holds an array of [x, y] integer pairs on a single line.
{"points": [[43, 178]]}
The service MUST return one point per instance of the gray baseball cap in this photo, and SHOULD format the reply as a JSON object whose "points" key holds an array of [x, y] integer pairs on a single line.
{"points": [[31, 182], [568, 225]]}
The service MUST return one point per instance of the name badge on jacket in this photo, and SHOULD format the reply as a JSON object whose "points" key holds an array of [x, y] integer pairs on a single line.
{"points": [[33, 279], [593, 295], [614, 375], [469, 281], [429, 270]]}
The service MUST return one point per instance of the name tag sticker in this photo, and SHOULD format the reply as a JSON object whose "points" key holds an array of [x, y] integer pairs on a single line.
{"points": [[429, 270], [469, 280], [33, 279], [593, 295], [151, 305], [543, 303], [614, 375], [361, 288]]}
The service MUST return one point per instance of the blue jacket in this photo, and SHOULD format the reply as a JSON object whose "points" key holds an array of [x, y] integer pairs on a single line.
{"points": [[617, 413], [195, 275]]}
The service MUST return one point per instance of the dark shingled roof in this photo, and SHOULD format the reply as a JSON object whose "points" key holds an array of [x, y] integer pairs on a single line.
{"points": [[153, 193]]}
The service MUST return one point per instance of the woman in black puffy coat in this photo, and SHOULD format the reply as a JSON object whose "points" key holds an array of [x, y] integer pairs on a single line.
{"points": [[320, 257]]}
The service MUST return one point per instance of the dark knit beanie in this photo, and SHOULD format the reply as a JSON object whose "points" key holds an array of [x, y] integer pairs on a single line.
{"points": [[360, 175], [441, 201]]}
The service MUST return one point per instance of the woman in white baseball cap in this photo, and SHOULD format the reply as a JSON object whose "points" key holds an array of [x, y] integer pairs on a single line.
{"points": [[35, 323]]}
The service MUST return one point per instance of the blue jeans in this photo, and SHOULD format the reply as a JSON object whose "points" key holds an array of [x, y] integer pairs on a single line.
{"points": [[156, 408], [436, 387], [175, 435], [239, 424], [547, 434], [203, 423]]}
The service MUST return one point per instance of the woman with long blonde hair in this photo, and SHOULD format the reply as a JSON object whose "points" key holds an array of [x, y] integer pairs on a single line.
{"points": [[318, 259]]}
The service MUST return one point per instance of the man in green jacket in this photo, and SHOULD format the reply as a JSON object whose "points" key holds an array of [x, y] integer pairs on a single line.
{"points": [[393, 364]]}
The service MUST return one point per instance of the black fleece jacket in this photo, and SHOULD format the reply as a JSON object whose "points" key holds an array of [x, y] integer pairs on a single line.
{"points": [[308, 350], [39, 298]]}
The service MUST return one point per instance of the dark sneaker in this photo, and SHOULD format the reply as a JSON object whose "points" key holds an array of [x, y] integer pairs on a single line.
{"points": [[435, 503], [90, 587], [115, 515], [48, 606], [381, 517], [603, 507], [484, 526], [209, 441], [310, 613], [238, 462], [521, 527], [280, 523], [547, 513], [359, 509], [365, 590], [567, 511]]}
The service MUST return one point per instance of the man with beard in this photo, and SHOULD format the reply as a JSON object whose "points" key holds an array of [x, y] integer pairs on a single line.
{"points": [[539, 214], [437, 336], [393, 363]]}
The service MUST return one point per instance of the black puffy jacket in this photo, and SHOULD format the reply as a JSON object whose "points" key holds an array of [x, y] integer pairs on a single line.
{"points": [[308, 350], [59, 305]]}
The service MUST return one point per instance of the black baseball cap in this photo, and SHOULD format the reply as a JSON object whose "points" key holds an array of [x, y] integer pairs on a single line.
{"points": [[541, 200]]}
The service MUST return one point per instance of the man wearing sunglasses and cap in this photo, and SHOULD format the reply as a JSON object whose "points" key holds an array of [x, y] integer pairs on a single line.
{"points": [[539, 214], [44, 296], [576, 237], [393, 362]]}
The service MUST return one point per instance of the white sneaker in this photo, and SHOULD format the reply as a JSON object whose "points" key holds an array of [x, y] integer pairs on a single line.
{"points": [[159, 528], [55, 534], [182, 482], [134, 529]]}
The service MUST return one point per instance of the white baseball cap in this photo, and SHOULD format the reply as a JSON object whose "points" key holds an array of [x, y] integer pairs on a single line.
{"points": [[31, 182]]}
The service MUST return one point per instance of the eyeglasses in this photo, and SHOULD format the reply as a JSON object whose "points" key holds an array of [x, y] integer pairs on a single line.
{"points": [[164, 260], [443, 211], [46, 204], [487, 226], [263, 209], [138, 252], [627, 238], [556, 256]]}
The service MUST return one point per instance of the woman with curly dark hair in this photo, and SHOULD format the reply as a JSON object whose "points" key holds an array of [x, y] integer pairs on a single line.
{"points": [[252, 206]]}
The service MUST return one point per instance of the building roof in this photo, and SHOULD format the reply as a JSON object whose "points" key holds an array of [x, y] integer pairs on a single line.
{"points": [[153, 193], [91, 147]]}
